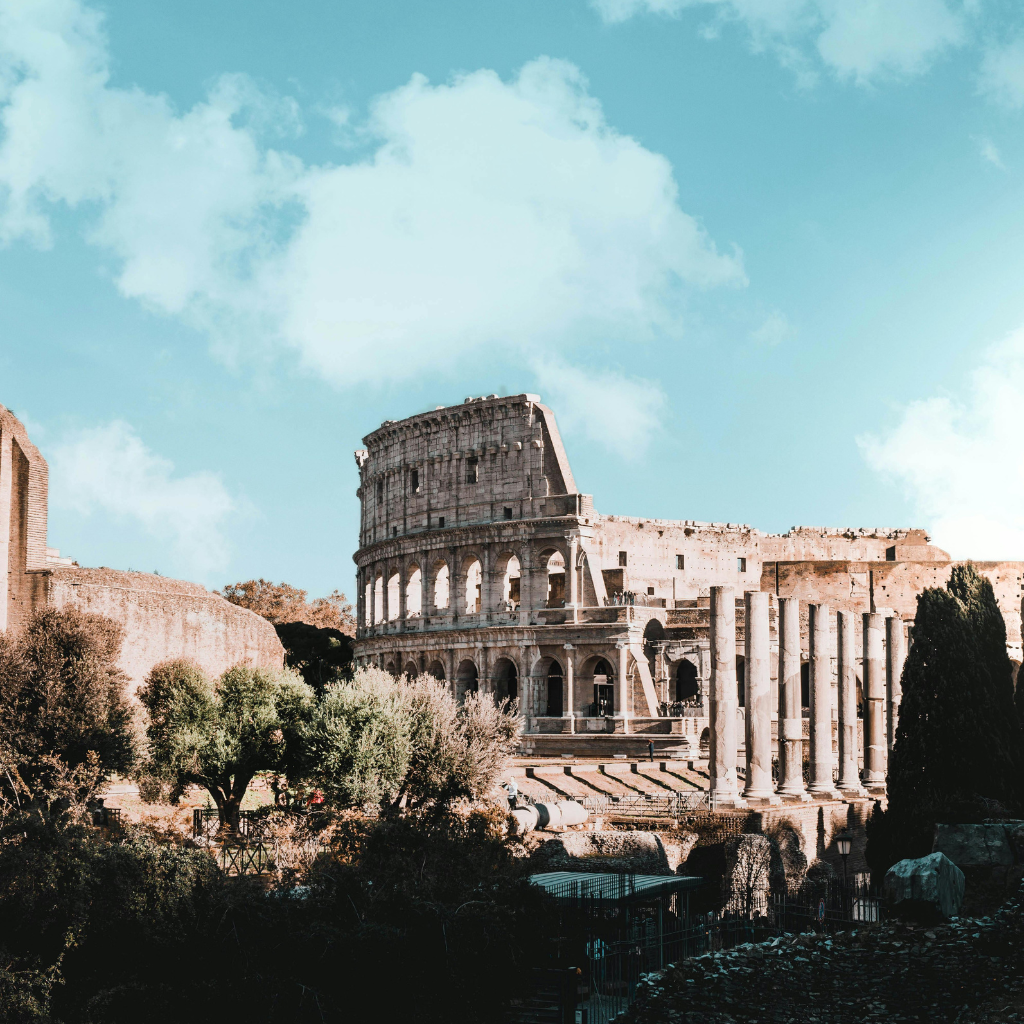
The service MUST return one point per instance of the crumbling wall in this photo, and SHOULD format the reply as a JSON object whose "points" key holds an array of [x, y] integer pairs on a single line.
{"points": [[164, 618]]}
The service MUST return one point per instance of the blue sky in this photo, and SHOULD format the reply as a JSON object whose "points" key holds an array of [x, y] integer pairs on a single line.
{"points": [[764, 259]]}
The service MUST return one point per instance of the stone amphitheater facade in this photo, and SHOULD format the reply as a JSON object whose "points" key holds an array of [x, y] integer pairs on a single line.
{"points": [[482, 563]]}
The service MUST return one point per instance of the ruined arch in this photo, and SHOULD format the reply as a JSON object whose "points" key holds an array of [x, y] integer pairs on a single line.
{"points": [[471, 580], [509, 572], [391, 668], [441, 589], [553, 562], [394, 594], [414, 591], [378, 599], [597, 686], [550, 675], [687, 681], [411, 670], [505, 679], [467, 679], [436, 669]]}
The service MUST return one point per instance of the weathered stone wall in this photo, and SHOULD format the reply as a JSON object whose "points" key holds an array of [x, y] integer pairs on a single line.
{"points": [[164, 618]]}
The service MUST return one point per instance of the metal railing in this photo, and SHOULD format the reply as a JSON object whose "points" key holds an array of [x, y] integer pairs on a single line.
{"points": [[639, 805]]}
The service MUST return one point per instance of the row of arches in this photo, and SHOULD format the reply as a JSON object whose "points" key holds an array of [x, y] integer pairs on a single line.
{"points": [[442, 585]]}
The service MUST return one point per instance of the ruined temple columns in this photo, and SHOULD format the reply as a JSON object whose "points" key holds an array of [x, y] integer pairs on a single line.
{"points": [[895, 656], [622, 709], [758, 702], [570, 689], [821, 700], [724, 698], [875, 742], [849, 776], [791, 739]]}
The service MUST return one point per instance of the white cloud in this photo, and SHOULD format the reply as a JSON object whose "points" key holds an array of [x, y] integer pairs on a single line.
{"points": [[1001, 78], [606, 406], [774, 330], [962, 463], [990, 153], [109, 471], [863, 40], [487, 212]]}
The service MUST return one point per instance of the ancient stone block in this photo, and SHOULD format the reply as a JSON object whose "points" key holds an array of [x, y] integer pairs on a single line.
{"points": [[927, 889]]}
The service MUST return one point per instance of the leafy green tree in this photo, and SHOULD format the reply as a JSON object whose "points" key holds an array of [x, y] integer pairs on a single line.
{"points": [[378, 740], [219, 735], [66, 720], [957, 755], [281, 602], [320, 655]]}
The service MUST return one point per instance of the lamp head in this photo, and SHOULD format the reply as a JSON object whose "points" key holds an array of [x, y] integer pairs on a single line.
{"points": [[844, 842]]}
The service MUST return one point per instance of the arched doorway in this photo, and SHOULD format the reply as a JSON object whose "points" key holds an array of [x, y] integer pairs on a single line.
{"points": [[472, 576], [467, 679], [705, 742], [555, 707], [410, 669], [506, 680], [414, 593], [436, 669], [604, 689], [687, 684], [555, 564]]}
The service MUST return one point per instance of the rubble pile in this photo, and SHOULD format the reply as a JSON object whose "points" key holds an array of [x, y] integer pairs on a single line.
{"points": [[968, 971]]}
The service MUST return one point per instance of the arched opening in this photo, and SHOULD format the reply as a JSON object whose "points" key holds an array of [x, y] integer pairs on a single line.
{"points": [[378, 600], [654, 643], [556, 581], [467, 679], [394, 588], [368, 605], [687, 684], [506, 679], [473, 576], [410, 669], [741, 680], [511, 584], [555, 706], [441, 585], [705, 742], [391, 669], [414, 593], [604, 689], [436, 669], [805, 685]]}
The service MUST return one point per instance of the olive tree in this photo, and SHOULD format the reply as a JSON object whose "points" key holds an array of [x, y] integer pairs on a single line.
{"points": [[219, 734]]}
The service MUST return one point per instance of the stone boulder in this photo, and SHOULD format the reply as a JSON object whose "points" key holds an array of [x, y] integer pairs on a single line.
{"points": [[927, 889], [641, 853], [989, 853], [748, 875]]}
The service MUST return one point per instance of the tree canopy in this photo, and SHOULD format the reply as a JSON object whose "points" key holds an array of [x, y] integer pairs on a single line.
{"points": [[218, 735], [957, 754], [64, 709], [281, 602]]}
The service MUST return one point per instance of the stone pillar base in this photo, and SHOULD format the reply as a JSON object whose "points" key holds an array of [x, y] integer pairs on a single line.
{"points": [[803, 797], [853, 792], [825, 794], [763, 799], [729, 800]]}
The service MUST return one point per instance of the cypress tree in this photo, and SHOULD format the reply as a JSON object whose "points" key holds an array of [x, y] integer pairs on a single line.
{"points": [[958, 745]]}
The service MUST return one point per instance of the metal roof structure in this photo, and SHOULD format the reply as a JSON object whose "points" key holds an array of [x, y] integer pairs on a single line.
{"points": [[613, 888]]}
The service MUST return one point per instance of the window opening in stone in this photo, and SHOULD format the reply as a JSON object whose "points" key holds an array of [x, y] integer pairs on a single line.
{"points": [[554, 707], [650, 591], [380, 491], [414, 481], [741, 565], [741, 681], [394, 589], [511, 585], [441, 587], [687, 686], [378, 600], [556, 581], [805, 685], [472, 467], [474, 583], [508, 512], [414, 594], [680, 562], [440, 522], [604, 690], [466, 679], [394, 531], [623, 558]]}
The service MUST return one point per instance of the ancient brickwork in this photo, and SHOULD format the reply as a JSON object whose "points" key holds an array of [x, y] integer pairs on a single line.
{"points": [[162, 618]]}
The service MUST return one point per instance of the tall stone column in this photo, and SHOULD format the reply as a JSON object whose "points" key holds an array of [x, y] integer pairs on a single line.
{"points": [[895, 656], [849, 776], [572, 576], [821, 701], [875, 742], [724, 697], [791, 729], [758, 703], [569, 711], [622, 709]]}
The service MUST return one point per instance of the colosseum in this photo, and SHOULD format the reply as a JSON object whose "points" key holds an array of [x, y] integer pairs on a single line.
{"points": [[482, 563]]}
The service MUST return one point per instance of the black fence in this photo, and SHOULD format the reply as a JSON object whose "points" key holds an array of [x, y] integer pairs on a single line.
{"points": [[206, 824]]}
